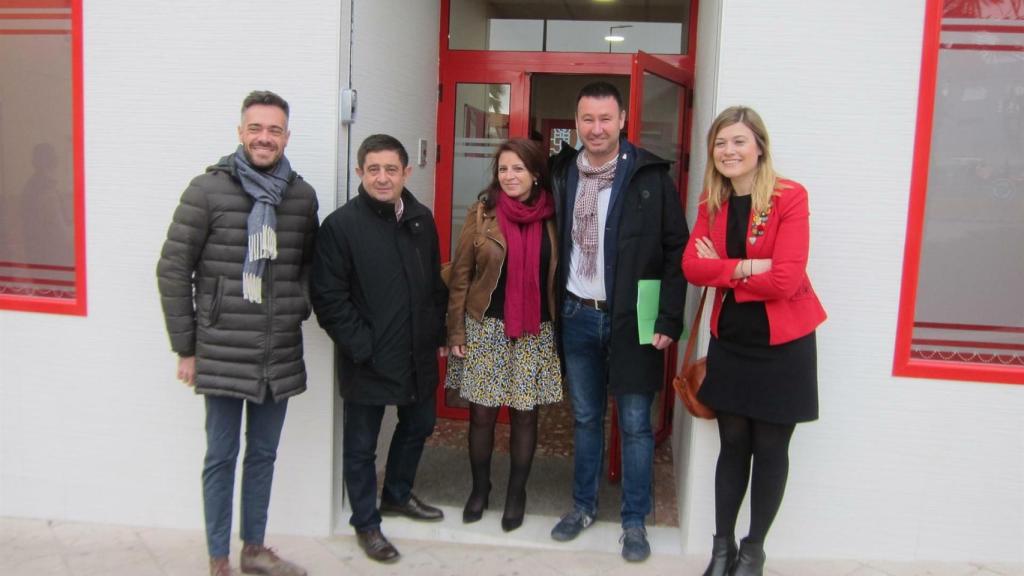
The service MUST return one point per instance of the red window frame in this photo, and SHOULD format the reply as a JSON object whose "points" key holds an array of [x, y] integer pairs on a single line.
{"points": [[904, 362], [73, 306]]}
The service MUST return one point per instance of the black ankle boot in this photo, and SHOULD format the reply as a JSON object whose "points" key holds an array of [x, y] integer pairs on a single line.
{"points": [[723, 555], [750, 560], [515, 510], [475, 506]]}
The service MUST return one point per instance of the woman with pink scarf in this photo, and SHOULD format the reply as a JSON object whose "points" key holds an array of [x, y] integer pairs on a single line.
{"points": [[501, 308]]}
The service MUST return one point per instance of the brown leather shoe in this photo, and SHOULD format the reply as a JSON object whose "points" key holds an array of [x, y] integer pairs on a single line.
{"points": [[258, 559], [377, 546], [221, 567], [414, 508]]}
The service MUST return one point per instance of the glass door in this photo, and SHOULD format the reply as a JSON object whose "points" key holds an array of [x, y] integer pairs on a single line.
{"points": [[660, 105], [477, 111]]}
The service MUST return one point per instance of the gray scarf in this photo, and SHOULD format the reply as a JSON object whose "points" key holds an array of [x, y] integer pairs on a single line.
{"points": [[266, 189], [584, 214]]}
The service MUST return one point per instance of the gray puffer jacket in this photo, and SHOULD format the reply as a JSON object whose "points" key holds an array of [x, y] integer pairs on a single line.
{"points": [[241, 348]]}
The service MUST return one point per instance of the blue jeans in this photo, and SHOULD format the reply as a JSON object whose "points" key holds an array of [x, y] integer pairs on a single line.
{"points": [[359, 459], [262, 435], [586, 334]]}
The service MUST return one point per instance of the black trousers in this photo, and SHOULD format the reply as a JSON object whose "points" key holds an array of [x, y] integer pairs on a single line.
{"points": [[361, 429]]}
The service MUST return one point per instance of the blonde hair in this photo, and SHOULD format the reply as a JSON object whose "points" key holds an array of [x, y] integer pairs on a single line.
{"points": [[717, 187]]}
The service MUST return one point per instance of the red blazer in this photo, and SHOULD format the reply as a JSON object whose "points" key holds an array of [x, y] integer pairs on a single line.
{"points": [[792, 306]]}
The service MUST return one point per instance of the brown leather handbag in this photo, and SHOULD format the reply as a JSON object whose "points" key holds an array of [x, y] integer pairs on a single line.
{"points": [[688, 382]]}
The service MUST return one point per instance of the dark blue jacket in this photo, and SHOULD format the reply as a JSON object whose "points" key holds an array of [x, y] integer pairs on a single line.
{"points": [[644, 236]]}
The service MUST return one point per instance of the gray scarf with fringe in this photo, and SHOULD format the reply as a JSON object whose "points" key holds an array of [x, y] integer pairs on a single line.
{"points": [[266, 188]]}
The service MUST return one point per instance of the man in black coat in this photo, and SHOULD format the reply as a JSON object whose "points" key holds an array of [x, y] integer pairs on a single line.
{"points": [[232, 279], [377, 291], [620, 221]]}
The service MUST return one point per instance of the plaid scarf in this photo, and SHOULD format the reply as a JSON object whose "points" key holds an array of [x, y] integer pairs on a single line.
{"points": [[584, 214], [266, 188]]}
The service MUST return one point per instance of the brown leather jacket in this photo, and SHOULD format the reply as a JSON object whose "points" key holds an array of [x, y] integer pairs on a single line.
{"points": [[476, 267]]}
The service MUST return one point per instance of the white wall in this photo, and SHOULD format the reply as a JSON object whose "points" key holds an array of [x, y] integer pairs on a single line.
{"points": [[896, 468], [93, 424], [395, 70]]}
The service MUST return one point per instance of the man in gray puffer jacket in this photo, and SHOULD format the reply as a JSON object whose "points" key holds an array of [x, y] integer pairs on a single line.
{"points": [[233, 285]]}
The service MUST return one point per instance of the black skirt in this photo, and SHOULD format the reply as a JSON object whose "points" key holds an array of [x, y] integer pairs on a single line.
{"points": [[771, 383]]}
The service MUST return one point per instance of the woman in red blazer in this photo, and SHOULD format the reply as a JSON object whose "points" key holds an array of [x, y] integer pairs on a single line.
{"points": [[750, 242]]}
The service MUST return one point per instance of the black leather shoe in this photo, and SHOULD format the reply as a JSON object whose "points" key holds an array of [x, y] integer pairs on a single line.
{"points": [[723, 555], [414, 508], [750, 561], [377, 546], [515, 509], [474, 509]]}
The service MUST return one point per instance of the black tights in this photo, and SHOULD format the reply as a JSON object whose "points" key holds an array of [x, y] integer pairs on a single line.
{"points": [[522, 443], [768, 444]]}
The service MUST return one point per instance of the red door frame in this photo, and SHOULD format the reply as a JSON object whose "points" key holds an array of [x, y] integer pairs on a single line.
{"points": [[515, 68]]}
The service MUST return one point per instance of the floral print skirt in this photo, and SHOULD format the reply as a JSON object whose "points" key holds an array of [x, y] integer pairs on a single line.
{"points": [[498, 371]]}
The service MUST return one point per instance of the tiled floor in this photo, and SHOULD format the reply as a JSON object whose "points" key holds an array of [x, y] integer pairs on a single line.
{"points": [[42, 548]]}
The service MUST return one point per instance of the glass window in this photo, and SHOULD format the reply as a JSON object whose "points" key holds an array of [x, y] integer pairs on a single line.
{"points": [[39, 268], [624, 26], [481, 125], [967, 214]]}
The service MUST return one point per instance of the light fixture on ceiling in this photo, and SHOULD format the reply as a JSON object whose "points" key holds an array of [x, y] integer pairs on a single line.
{"points": [[612, 37]]}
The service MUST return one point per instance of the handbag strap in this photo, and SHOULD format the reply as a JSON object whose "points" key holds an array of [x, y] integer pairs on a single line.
{"points": [[691, 342]]}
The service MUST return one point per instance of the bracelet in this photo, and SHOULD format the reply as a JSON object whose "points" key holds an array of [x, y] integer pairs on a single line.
{"points": [[750, 268]]}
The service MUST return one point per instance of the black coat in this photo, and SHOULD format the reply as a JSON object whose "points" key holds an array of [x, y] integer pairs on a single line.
{"points": [[644, 237], [241, 348], [377, 291]]}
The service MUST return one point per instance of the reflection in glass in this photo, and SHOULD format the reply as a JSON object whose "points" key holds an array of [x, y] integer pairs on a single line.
{"points": [[570, 26], [661, 119], [481, 125], [970, 276], [37, 253]]}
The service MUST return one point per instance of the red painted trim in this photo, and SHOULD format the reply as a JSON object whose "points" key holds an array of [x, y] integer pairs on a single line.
{"points": [[69, 4], [918, 186], [982, 28], [34, 16], [967, 344], [903, 363], [42, 281], [970, 327], [984, 47], [39, 32], [31, 266]]}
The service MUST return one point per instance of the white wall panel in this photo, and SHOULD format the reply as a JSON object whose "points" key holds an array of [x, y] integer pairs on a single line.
{"points": [[93, 424], [395, 70]]}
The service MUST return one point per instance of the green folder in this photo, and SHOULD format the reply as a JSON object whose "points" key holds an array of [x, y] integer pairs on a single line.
{"points": [[648, 294]]}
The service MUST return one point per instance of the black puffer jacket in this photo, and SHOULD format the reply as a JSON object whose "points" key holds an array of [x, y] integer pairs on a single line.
{"points": [[378, 293], [241, 348]]}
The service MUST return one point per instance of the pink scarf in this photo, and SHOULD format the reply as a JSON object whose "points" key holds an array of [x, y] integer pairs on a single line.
{"points": [[523, 226]]}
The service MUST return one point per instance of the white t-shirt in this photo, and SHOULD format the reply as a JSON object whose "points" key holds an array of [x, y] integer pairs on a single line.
{"points": [[591, 288]]}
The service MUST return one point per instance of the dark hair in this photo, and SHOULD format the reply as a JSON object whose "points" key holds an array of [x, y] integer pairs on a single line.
{"points": [[380, 143], [600, 89], [536, 162], [265, 97]]}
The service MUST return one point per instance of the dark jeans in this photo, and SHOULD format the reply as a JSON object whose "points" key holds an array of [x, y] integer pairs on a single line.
{"points": [[361, 428], [262, 435], [586, 336]]}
